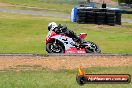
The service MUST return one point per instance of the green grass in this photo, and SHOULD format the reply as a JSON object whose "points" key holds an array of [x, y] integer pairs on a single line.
{"points": [[26, 34], [127, 16], [52, 5], [58, 79]]}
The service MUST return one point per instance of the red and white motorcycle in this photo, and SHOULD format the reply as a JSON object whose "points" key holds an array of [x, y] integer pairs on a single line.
{"points": [[59, 43]]}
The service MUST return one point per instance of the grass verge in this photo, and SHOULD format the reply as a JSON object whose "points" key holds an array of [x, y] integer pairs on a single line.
{"points": [[26, 34], [58, 79], [43, 4], [127, 16]]}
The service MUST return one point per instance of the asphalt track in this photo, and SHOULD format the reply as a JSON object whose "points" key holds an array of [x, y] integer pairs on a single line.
{"points": [[48, 55], [36, 13], [45, 13]]}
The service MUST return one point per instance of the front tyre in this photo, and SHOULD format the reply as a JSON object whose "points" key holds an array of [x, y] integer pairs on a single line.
{"points": [[54, 48], [93, 48]]}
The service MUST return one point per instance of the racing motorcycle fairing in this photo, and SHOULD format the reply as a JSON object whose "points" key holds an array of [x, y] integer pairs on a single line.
{"points": [[75, 50], [65, 44], [83, 35]]}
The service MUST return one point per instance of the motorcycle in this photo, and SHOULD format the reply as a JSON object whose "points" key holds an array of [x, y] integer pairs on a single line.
{"points": [[59, 43]]}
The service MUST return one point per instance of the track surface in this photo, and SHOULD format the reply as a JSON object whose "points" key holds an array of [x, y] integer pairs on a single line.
{"points": [[45, 13], [36, 13], [46, 55], [54, 62]]}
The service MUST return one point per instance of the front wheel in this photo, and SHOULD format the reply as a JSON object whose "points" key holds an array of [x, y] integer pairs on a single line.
{"points": [[93, 48], [54, 48]]}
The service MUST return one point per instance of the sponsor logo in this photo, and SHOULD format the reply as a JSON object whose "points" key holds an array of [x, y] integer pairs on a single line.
{"points": [[83, 78]]}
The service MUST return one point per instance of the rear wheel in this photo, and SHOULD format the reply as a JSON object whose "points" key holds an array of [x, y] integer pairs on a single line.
{"points": [[54, 48], [93, 48]]}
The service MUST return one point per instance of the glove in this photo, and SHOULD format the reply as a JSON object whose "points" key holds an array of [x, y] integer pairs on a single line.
{"points": [[79, 40], [64, 28], [60, 26]]}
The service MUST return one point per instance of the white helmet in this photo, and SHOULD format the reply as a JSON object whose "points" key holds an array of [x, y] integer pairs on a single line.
{"points": [[52, 26]]}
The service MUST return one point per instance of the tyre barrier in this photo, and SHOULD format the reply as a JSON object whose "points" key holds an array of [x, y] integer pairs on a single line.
{"points": [[96, 16]]}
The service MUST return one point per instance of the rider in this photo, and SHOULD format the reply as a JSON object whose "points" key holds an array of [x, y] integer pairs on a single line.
{"points": [[63, 29]]}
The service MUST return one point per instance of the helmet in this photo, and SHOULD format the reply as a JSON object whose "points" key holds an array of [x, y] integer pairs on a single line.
{"points": [[52, 26]]}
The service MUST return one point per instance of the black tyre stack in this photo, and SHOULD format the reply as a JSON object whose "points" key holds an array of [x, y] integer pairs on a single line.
{"points": [[99, 16], [110, 18], [90, 18], [118, 17], [81, 16]]}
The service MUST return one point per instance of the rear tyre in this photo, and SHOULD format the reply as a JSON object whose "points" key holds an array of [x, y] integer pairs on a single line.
{"points": [[51, 48], [93, 49]]}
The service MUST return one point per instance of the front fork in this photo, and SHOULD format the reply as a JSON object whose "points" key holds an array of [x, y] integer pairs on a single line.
{"points": [[55, 43]]}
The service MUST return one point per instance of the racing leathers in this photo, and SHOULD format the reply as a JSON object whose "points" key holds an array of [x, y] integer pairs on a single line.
{"points": [[63, 29]]}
